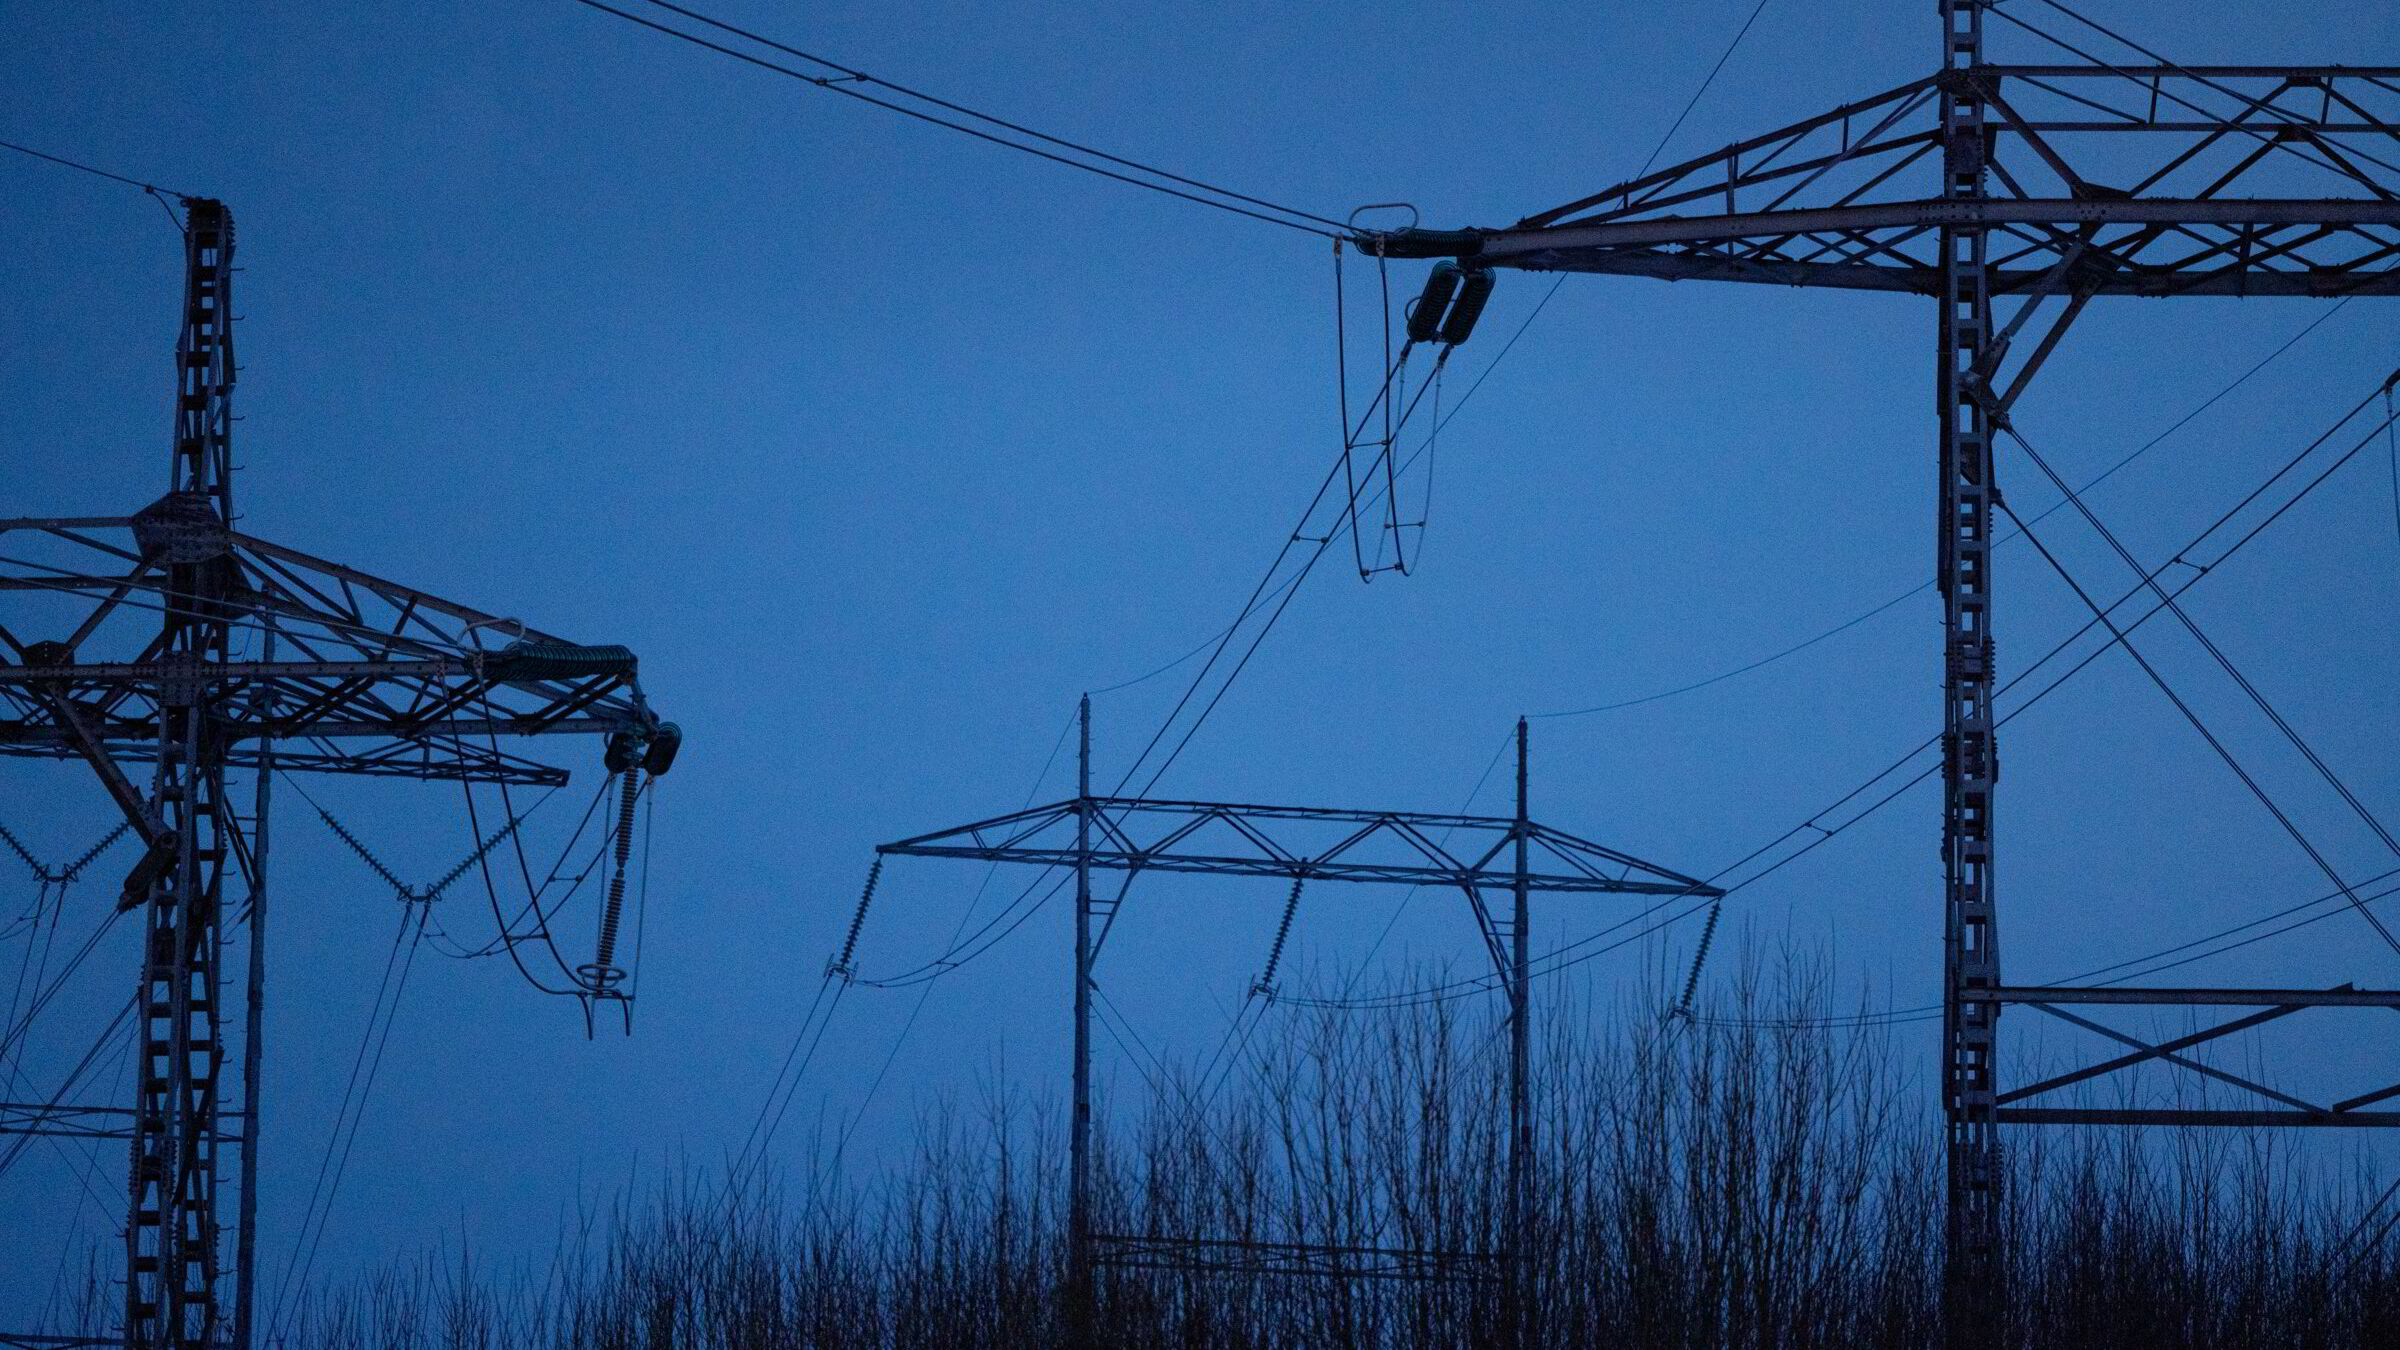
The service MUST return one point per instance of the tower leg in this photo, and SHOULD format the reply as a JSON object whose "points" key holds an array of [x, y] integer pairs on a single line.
{"points": [[171, 1233], [245, 1262], [1974, 1301]]}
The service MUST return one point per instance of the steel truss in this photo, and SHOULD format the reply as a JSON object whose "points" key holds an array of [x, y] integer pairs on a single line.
{"points": [[168, 639], [385, 680], [1514, 856], [2051, 185]]}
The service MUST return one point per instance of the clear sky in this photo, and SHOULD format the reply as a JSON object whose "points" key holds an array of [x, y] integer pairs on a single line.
{"points": [[880, 445]]}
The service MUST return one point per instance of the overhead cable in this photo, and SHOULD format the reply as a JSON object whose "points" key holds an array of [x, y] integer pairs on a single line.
{"points": [[2223, 752], [1922, 587], [1705, 82], [846, 84], [1559, 958], [2216, 653], [81, 167]]}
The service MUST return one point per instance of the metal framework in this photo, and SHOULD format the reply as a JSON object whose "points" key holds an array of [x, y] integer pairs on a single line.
{"points": [[2050, 185], [168, 639], [1485, 857]]}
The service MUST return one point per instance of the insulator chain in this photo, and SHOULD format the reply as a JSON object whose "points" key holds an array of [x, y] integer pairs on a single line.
{"points": [[68, 872], [1708, 935], [406, 892], [603, 975], [59, 876], [840, 965], [343, 831], [434, 891], [1265, 984], [17, 846]]}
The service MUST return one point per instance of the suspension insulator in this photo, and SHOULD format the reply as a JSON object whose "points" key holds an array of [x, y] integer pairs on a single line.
{"points": [[1265, 983], [840, 965], [1425, 316], [1472, 297], [603, 975], [665, 740]]}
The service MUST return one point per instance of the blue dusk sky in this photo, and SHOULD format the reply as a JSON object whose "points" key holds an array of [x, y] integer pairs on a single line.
{"points": [[880, 445]]}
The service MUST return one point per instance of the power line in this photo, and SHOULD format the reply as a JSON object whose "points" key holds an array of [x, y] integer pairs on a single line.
{"points": [[1443, 419], [365, 1066], [16, 1032], [1921, 1011], [1706, 81], [1212, 640], [864, 78], [18, 1146], [2198, 571], [1557, 959], [1290, 218], [2223, 752], [2391, 443], [909, 1026], [1922, 587], [81, 167], [2216, 653]]}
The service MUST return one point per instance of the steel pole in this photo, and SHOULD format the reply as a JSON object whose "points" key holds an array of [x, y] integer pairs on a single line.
{"points": [[1520, 1048], [1081, 1291]]}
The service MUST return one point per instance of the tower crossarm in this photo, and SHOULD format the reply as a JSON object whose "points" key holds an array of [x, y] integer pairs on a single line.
{"points": [[1318, 844], [372, 677], [2154, 181]]}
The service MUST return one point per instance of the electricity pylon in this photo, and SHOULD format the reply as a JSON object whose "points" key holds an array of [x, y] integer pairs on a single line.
{"points": [[2050, 186], [1484, 857], [172, 640]]}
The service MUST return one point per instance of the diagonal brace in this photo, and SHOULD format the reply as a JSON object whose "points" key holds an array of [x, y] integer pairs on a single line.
{"points": [[2147, 1053], [2178, 1061]]}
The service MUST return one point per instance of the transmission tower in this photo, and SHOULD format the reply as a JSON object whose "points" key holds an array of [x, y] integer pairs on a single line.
{"points": [[1484, 857], [172, 640], [2051, 185]]}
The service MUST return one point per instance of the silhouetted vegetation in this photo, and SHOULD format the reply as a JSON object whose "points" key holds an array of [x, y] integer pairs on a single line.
{"points": [[1729, 1182]]}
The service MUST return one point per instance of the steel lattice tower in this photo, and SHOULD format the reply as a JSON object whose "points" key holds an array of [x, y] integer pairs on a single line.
{"points": [[2053, 185], [352, 675], [1513, 856]]}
